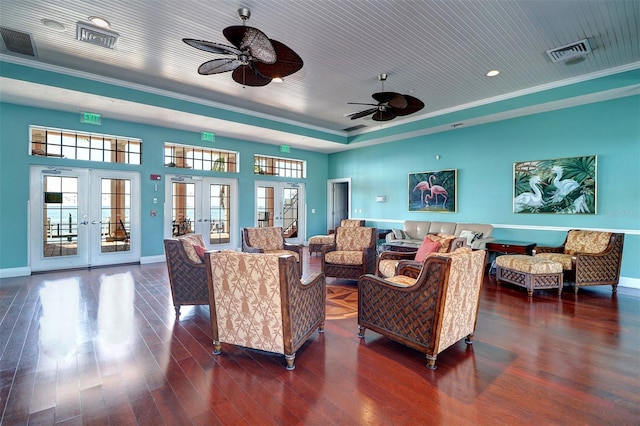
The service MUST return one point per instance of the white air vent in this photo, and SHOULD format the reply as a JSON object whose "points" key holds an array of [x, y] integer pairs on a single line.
{"points": [[17, 42], [568, 51], [96, 35]]}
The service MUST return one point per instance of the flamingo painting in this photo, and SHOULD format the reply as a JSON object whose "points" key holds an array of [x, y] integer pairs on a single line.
{"points": [[434, 191], [528, 199], [422, 186]]}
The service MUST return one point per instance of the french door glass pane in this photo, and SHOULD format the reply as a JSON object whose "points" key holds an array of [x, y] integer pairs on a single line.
{"points": [[61, 216], [219, 213], [116, 215], [183, 207]]}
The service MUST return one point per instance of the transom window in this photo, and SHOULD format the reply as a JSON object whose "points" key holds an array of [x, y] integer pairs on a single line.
{"points": [[275, 166], [49, 142], [196, 158]]}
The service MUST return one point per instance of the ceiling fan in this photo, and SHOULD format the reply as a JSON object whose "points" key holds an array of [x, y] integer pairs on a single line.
{"points": [[390, 105], [258, 59]]}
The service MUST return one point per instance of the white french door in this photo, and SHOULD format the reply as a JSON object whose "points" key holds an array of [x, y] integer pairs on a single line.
{"points": [[202, 205], [83, 217], [281, 204]]}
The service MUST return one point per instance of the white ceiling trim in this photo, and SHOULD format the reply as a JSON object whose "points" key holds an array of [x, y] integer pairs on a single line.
{"points": [[506, 115], [162, 92], [512, 95]]}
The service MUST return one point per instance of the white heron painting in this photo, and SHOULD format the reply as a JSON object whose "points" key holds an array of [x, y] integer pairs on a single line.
{"points": [[565, 185]]}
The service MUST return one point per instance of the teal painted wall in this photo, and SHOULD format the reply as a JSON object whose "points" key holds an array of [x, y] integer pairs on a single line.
{"points": [[15, 161], [484, 157]]}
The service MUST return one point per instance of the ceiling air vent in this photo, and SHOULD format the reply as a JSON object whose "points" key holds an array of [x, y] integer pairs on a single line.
{"points": [[96, 35], [17, 42], [569, 51], [352, 128]]}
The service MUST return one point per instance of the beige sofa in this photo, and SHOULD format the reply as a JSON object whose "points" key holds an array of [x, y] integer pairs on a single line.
{"points": [[415, 231]]}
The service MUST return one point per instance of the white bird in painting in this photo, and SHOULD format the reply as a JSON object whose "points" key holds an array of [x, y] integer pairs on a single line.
{"points": [[528, 199], [564, 187]]}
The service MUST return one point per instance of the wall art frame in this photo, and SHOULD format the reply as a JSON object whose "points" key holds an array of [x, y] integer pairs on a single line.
{"points": [[558, 186], [433, 191]]}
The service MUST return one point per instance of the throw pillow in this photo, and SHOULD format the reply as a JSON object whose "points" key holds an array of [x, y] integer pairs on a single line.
{"points": [[471, 236], [427, 246], [200, 251], [399, 234]]}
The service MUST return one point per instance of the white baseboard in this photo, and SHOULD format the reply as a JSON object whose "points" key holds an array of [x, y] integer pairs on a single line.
{"points": [[15, 272], [629, 282], [152, 259]]}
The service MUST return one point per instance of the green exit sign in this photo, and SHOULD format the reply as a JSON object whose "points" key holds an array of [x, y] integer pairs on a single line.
{"points": [[90, 118], [207, 137], [285, 148]]}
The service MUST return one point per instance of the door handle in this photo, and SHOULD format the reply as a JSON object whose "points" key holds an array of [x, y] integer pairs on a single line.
{"points": [[95, 222], [84, 222], [205, 220]]}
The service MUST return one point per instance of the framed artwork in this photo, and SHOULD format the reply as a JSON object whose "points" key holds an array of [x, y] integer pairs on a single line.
{"points": [[434, 191], [561, 186]]}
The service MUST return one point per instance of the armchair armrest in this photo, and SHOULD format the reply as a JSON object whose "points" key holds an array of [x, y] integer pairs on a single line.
{"points": [[397, 255], [547, 249], [294, 247], [306, 303], [409, 268]]}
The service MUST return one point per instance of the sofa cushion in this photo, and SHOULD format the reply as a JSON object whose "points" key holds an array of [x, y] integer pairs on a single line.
{"points": [[428, 246], [416, 229], [448, 228], [402, 280], [564, 259]]}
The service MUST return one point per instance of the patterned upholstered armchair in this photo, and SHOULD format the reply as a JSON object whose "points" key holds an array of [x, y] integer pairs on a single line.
{"points": [[187, 274], [588, 257], [317, 241], [258, 301], [353, 253], [428, 313], [389, 260], [270, 240]]}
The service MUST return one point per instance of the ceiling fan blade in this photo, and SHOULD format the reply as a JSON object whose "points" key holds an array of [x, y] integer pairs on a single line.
{"points": [[288, 62], [209, 46], [217, 66], [252, 40], [363, 113], [413, 105], [247, 76], [360, 103], [383, 115], [386, 97]]}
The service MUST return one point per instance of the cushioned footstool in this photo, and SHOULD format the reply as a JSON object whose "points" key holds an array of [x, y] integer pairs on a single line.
{"points": [[529, 272], [317, 241]]}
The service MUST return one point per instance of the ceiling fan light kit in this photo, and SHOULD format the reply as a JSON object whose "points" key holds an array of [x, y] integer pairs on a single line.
{"points": [[390, 105], [258, 59]]}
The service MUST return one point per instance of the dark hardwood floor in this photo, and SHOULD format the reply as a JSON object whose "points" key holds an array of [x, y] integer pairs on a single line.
{"points": [[545, 360]]}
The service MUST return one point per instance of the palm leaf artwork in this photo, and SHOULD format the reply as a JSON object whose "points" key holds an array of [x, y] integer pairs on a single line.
{"points": [[566, 185]]}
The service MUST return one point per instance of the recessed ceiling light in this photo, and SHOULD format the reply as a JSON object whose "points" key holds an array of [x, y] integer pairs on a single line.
{"points": [[54, 25], [99, 22], [493, 73]]}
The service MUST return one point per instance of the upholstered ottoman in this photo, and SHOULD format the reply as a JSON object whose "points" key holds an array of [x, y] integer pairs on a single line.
{"points": [[529, 272], [317, 241]]}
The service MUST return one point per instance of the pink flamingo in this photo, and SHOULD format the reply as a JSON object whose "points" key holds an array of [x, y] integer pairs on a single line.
{"points": [[434, 191], [422, 186]]}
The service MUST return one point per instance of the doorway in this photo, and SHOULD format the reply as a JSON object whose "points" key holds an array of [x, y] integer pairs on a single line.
{"points": [[338, 201], [281, 204], [83, 217], [202, 205]]}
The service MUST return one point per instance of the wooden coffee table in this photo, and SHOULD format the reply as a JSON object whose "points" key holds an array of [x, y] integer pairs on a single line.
{"points": [[402, 246]]}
